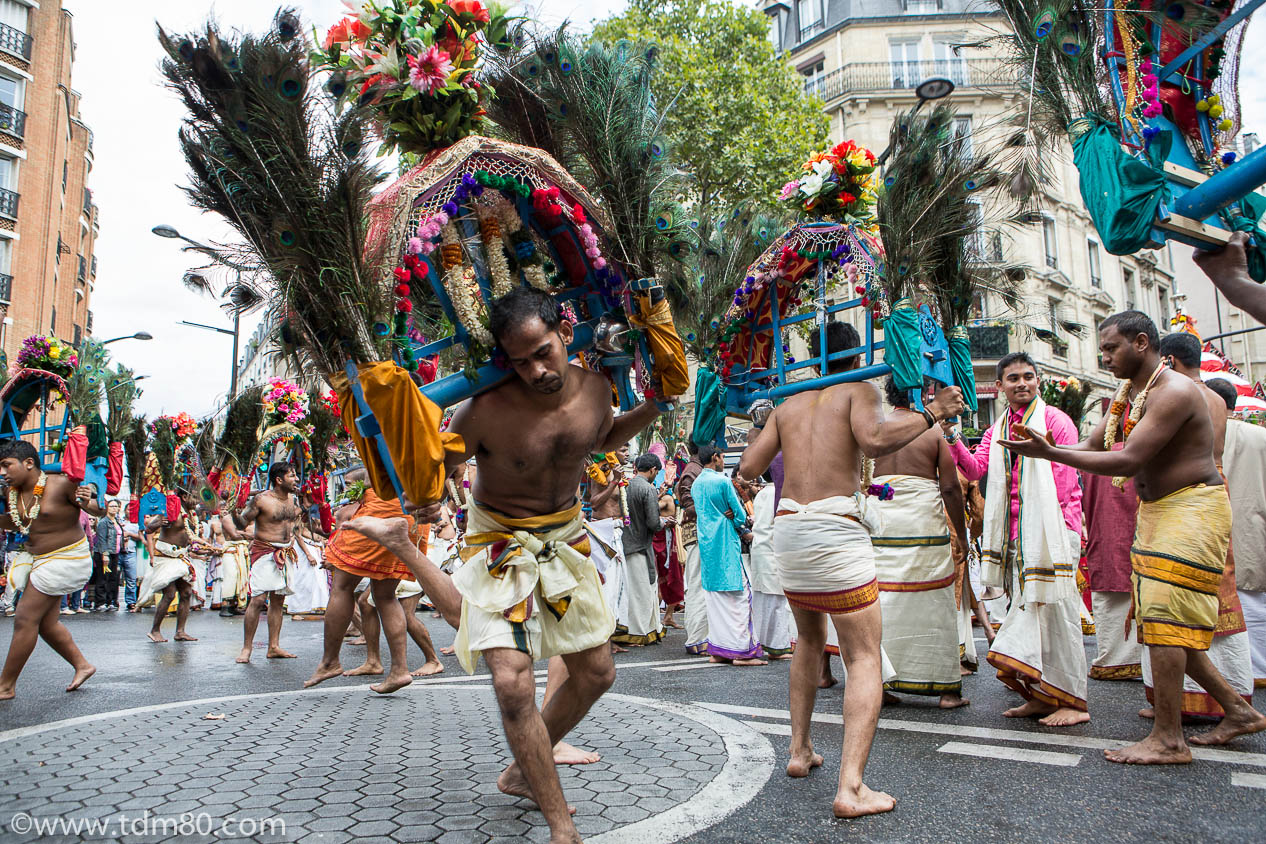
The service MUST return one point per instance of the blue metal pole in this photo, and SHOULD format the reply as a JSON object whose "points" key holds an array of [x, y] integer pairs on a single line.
{"points": [[877, 370], [1209, 37], [1224, 187]]}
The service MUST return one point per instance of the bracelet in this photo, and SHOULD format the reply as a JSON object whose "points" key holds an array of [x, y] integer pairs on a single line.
{"points": [[951, 437], [931, 420]]}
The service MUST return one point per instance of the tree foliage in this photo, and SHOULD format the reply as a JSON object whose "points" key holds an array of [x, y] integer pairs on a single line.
{"points": [[738, 116]]}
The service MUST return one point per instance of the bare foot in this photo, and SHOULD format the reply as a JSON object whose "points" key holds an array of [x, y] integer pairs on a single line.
{"points": [[1065, 717], [964, 671], [8, 694], [244, 656], [448, 651], [1147, 712], [366, 669], [802, 763], [429, 668], [323, 672], [616, 649], [81, 677], [750, 662], [1030, 709], [718, 659], [782, 656], [669, 622], [394, 682], [278, 653], [155, 637], [511, 782], [950, 701], [566, 754], [890, 699], [1150, 751], [392, 534], [185, 637], [359, 640], [861, 802], [827, 682], [1250, 721]]}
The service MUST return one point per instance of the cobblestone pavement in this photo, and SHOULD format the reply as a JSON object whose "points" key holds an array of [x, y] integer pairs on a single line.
{"points": [[333, 766]]}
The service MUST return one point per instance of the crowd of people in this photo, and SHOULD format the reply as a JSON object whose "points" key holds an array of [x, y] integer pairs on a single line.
{"points": [[842, 527]]}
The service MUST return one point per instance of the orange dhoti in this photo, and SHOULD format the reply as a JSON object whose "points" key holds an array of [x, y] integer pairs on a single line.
{"points": [[356, 554]]}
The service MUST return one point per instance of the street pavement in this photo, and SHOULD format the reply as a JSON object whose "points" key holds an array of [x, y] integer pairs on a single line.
{"points": [[177, 742]]}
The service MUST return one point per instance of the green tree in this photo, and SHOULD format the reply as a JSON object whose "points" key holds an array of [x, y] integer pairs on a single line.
{"points": [[738, 116]]}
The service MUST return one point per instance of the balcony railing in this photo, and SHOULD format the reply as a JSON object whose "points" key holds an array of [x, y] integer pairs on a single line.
{"points": [[15, 41], [896, 76], [12, 121], [83, 269], [9, 204], [989, 341], [93, 271], [88, 203], [6, 287]]}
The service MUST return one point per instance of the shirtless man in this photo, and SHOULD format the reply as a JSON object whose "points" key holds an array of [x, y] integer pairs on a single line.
{"points": [[823, 551], [172, 572], [55, 560], [1182, 534], [276, 515], [913, 552], [1182, 352], [528, 474]]}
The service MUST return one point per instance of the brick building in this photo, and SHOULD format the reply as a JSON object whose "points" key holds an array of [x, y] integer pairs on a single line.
{"points": [[48, 222]]}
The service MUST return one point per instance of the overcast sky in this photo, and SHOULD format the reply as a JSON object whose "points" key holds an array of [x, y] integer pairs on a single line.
{"points": [[138, 171]]}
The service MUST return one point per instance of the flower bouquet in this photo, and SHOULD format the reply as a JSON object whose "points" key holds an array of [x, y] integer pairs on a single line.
{"points": [[1069, 395], [415, 61], [839, 184], [284, 401], [49, 354]]}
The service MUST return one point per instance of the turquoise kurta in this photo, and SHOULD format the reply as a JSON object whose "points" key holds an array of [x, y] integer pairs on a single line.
{"points": [[720, 552]]}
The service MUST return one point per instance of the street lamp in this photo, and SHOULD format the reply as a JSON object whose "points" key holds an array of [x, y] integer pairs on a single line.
{"points": [[932, 88], [216, 255], [140, 335]]}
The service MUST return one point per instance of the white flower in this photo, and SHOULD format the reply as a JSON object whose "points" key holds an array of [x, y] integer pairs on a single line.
{"points": [[823, 168], [811, 185]]}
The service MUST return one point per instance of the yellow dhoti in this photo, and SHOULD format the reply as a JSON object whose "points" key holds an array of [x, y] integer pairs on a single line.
{"points": [[1178, 557], [528, 584]]}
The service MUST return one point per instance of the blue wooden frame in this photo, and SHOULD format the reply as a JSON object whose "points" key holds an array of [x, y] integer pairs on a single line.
{"points": [[17, 410]]}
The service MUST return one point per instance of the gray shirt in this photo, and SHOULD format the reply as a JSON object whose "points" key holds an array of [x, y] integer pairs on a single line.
{"points": [[643, 516]]}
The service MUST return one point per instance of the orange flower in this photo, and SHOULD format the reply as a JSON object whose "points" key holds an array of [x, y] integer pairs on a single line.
{"points": [[338, 34], [475, 8]]}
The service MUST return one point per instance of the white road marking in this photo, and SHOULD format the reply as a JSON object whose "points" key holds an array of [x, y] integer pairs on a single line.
{"points": [[697, 664], [620, 666], [772, 729], [1011, 754], [1246, 780], [1207, 754]]}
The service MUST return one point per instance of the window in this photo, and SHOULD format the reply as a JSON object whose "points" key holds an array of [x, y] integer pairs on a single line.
{"points": [[65, 174], [10, 92], [1092, 255], [904, 56], [79, 336], [52, 322], [1050, 243], [8, 174], [976, 239], [962, 129], [14, 14], [922, 7], [979, 305], [813, 76], [948, 62], [1131, 291], [1163, 294], [6, 255], [1059, 346], [809, 13]]}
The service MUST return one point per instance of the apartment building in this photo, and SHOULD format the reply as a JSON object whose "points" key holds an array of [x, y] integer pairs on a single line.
{"points": [[48, 220], [864, 58]]}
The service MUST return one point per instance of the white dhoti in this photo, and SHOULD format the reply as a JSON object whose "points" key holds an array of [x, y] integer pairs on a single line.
{"points": [[58, 572], [1229, 654], [1118, 657], [770, 610], [640, 624], [231, 573], [404, 589], [824, 556], [696, 605], [1253, 605], [607, 552], [731, 629], [1039, 651], [272, 567], [311, 583], [199, 577], [771, 616], [915, 567], [171, 564]]}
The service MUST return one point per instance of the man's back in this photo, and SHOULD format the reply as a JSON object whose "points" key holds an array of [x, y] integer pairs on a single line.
{"points": [[820, 454], [918, 459]]}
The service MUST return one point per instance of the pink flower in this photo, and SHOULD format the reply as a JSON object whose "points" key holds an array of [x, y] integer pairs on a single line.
{"points": [[789, 190], [429, 72], [415, 245]]}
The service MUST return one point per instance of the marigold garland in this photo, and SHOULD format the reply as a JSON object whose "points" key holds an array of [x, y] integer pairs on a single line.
{"points": [[1117, 408]]}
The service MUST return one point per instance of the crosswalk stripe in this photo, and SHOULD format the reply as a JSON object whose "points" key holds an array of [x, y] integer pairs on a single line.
{"points": [[1248, 780], [772, 729], [698, 664], [1011, 754]]}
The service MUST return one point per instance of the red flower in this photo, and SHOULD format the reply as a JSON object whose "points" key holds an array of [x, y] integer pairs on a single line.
{"points": [[846, 198], [474, 8], [404, 306], [372, 81], [338, 34], [359, 31], [402, 290]]}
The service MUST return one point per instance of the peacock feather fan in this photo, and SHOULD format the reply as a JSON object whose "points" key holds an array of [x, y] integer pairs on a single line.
{"points": [[325, 426], [590, 106], [239, 435], [121, 394], [86, 384], [701, 289], [942, 204], [267, 150], [134, 445], [163, 446]]}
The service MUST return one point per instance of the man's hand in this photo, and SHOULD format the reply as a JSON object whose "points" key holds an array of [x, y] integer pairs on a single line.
{"points": [[747, 537], [947, 404], [1129, 619], [1230, 260], [1024, 440], [84, 494]]}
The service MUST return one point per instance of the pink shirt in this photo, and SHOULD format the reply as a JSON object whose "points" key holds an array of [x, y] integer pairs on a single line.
{"points": [[974, 464]]}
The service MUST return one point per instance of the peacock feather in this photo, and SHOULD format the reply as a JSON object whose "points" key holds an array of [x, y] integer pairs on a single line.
{"points": [[134, 444], [239, 436], [268, 151], [325, 426], [121, 394], [86, 384]]}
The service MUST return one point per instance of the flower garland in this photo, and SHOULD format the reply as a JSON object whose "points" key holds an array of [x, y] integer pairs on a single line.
{"points": [[524, 248], [15, 512], [463, 291], [623, 483], [494, 252], [1117, 409]]}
